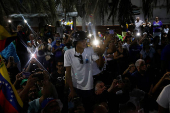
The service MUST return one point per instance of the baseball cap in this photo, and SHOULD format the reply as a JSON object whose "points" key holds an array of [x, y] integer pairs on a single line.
{"points": [[28, 42], [23, 81], [79, 35], [49, 100]]}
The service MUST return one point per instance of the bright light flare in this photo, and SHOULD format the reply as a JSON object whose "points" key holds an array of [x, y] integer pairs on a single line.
{"points": [[90, 35], [9, 21], [49, 25], [138, 34], [25, 21], [33, 55], [95, 42]]}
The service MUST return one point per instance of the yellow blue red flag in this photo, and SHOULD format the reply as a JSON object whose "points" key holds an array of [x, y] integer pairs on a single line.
{"points": [[10, 101]]}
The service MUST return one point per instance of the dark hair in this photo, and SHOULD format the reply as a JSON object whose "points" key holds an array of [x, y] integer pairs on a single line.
{"points": [[59, 60], [126, 38]]}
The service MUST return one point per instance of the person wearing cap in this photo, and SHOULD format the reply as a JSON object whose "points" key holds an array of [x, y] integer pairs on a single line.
{"points": [[31, 92], [30, 47], [57, 49], [63, 23], [51, 105], [70, 22], [23, 83], [78, 63]]}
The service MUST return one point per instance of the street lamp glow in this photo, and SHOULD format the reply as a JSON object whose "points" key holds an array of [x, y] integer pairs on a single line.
{"points": [[9, 21], [90, 35], [49, 25], [25, 21]]}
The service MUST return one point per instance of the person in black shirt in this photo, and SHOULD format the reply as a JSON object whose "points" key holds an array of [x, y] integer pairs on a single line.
{"points": [[58, 79]]}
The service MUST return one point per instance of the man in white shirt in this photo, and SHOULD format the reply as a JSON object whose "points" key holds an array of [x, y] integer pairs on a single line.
{"points": [[163, 100], [78, 62], [63, 23], [138, 24]]}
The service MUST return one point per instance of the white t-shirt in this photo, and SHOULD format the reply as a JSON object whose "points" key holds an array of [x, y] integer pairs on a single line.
{"points": [[137, 24], [96, 69], [31, 49], [126, 46], [34, 106], [166, 30], [63, 23], [82, 75], [164, 97]]}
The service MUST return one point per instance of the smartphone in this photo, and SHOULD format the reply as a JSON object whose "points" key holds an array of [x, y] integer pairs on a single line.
{"points": [[111, 31], [26, 75], [11, 58]]}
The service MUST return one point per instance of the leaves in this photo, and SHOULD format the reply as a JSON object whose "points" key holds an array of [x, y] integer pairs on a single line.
{"points": [[120, 8]]}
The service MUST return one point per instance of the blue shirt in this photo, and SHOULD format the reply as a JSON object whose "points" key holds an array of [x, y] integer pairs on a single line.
{"points": [[134, 52], [59, 52], [142, 82]]}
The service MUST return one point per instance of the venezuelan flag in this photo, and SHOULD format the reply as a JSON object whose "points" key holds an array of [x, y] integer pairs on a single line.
{"points": [[5, 38], [9, 98]]}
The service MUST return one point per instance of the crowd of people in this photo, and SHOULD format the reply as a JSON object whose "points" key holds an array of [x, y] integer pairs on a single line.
{"points": [[71, 74]]}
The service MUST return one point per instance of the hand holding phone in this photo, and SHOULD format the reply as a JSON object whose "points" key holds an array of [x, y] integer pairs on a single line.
{"points": [[26, 74]]}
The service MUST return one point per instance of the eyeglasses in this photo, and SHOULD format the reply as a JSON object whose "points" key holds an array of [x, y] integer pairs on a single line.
{"points": [[80, 58]]}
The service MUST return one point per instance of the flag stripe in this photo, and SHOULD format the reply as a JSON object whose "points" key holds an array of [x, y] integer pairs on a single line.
{"points": [[5, 76], [8, 108], [2, 44], [9, 94], [5, 34]]}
